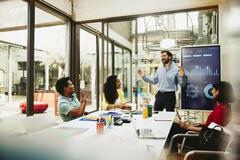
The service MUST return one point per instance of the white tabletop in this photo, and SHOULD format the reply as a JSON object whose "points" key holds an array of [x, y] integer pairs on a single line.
{"points": [[80, 140]]}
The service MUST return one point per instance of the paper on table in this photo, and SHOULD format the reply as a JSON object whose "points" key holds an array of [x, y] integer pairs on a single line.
{"points": [[66, 132], [162, 117]]}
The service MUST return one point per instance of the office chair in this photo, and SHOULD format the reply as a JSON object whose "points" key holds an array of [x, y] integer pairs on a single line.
{"points": [[203, 154], [186, 152]]}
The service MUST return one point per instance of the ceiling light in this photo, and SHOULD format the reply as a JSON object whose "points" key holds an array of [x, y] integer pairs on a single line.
{"points": [[167, 43]]}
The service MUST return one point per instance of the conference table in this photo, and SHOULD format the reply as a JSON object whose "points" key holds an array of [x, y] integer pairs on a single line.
{"points": [[78, 139]]}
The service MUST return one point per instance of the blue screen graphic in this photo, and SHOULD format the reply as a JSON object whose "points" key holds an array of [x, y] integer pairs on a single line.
{"points": [[202, 68]]}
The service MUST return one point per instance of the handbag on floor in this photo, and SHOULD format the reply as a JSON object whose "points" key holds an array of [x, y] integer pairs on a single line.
{"points": [[212, 139]]}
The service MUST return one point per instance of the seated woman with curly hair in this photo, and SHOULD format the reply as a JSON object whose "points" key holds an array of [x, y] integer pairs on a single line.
{"points": [[113, 95]]}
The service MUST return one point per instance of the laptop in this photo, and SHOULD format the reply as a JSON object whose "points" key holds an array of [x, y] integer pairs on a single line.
{"points": [[148, 133]]}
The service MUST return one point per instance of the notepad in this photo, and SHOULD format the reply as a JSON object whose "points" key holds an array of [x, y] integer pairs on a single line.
{"points": [[162, 118]]}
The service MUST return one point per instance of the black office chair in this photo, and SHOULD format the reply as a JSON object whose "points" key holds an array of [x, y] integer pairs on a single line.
{"points": [[186, 152]]}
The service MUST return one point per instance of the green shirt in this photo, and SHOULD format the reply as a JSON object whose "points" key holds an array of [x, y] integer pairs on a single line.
{"points": [[66, 104]]}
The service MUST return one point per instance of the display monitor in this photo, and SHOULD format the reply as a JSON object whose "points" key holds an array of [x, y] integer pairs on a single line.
{"points": [[202, 68]]}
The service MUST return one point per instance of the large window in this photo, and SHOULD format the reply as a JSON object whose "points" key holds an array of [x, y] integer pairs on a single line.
{"points": [[187, 28], [166, 31], [122, 67], [118, 64], [121, 32], [170, 32], [127, 77], [87, 76], [13, 40], [51, 53], [109, 57], [51, 56]]}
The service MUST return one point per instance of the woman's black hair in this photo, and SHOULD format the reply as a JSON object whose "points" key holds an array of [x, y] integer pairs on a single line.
{"points": [[225, 92], [110, 89], [61, 83]]}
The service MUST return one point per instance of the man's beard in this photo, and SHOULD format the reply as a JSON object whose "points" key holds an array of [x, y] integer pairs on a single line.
{"points": [[72, 92], [165, 61]]}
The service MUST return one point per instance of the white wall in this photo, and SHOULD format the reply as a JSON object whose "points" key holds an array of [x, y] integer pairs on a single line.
{"points": [[97, 9], [229, 38], [230, 42]]}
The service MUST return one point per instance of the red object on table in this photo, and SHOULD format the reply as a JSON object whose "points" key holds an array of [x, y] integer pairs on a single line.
{"points": [[39, 107]]}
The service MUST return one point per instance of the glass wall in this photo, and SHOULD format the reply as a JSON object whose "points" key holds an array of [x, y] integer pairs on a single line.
{"points": [[88, 68], [51, 56], [109, 59], [50, 59], [106, 66], [118, 63], [122, 68], [13, 40], [121, 32], [171, 32], [127, 87]]}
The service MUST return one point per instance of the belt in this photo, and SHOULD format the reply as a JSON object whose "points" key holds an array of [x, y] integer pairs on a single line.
{"points": [[166, 92]]}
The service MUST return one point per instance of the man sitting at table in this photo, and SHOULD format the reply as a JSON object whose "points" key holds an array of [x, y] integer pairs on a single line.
{"points": [[68, 103]]}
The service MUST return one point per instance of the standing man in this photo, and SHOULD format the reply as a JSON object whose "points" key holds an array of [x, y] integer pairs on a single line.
{"points": [[68, 103], [166, 77]]}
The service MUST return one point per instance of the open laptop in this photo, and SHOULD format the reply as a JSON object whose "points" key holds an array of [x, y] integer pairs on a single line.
{"points": [[148, 133]]}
